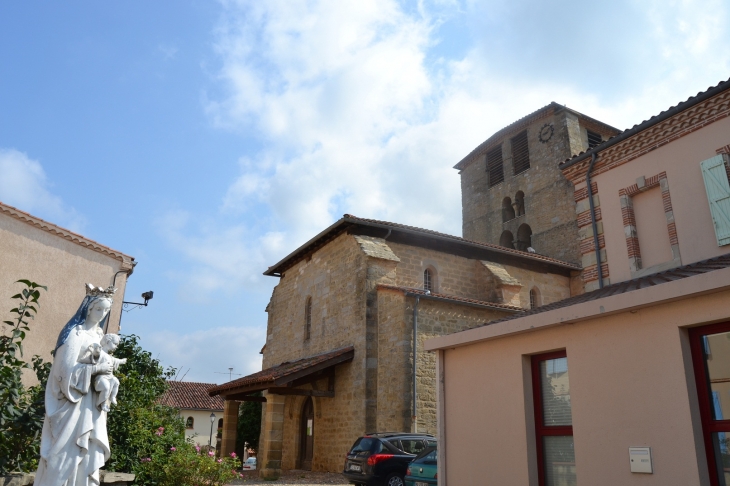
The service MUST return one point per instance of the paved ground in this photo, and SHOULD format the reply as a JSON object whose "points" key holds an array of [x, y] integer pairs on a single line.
{"points": [[303, 478]]}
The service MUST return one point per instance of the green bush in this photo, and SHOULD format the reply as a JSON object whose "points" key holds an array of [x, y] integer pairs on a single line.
{"points": [[21, 409], [249, 425], [186, 465]]}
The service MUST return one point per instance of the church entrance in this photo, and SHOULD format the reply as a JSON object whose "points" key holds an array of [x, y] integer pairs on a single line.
{"points": [[307, 435]]}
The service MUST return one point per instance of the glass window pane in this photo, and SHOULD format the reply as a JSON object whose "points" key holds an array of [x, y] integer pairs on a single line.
{"points": [[559, 461], [555, 389], [721, 441], [717, 359]]}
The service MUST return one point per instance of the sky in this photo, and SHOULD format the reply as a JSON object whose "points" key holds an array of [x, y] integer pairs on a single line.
{"points": [[209, 139]]}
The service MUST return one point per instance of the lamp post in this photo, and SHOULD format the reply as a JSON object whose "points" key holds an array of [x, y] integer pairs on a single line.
{"points": [[212, 421]]}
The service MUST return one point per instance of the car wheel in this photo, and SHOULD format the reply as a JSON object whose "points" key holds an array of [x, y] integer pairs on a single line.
{"points": [[394, 480]]}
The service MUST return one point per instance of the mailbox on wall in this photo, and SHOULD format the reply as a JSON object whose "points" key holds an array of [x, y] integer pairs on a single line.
{"points": [[640, 458]]}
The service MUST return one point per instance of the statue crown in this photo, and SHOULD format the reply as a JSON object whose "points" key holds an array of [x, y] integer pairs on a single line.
{"points": [[99, 291]]}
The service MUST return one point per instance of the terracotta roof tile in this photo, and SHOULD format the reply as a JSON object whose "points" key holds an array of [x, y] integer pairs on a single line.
{"points": [[453, 298], [190, 395], [270, 375], [669, 112], [501, 249]]}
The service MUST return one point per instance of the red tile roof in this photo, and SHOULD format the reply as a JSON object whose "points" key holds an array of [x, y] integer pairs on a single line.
{"points": [[191, 395], [279, 373], [453, 298], [348, 221], [668, 113]]}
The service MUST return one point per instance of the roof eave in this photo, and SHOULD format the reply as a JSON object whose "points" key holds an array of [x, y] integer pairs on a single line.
{"points": [[647, 124]]}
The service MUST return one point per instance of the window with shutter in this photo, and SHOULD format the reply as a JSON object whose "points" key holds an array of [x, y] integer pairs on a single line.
{"points": [[495, 167], [718, 195], [520, 153]]}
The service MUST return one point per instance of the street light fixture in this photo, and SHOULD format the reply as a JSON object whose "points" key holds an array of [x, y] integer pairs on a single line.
{"points": [[212, 421]]}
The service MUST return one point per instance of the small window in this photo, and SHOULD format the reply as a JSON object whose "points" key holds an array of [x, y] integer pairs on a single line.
{"points": [[508, 212], [189, 423], [594, 139], [553, 419], [308, 318], [507, 239], [428, 280], [520, 153], [495, 167], [519, 203], [412, 446], [534, 298]]}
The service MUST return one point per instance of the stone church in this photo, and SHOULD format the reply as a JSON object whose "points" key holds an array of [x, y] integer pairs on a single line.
{"points": [[347, 321]]}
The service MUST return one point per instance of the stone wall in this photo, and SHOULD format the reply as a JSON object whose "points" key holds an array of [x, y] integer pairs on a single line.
{"points": [[334, 277], [549, 206]]}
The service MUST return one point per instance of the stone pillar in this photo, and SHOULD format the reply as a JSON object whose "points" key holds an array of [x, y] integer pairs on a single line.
{"points": [[272, 437], [230, 428]]}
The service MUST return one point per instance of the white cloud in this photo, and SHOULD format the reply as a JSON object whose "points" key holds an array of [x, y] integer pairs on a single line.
{"points": [[356, 112], [23, 184], [203, 355]]}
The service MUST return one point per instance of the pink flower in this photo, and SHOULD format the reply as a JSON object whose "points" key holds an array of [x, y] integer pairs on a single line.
{"points": [[173, 448], [233, 454], [146, 459], [160, 431], [219, 461], [211, 453], [197, 448]]}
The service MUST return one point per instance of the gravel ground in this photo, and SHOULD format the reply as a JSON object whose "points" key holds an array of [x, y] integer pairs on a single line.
{"points": [[304, 478]]}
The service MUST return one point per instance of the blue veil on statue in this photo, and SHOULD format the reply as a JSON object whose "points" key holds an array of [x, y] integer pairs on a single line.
{"points": [[92, 295]]}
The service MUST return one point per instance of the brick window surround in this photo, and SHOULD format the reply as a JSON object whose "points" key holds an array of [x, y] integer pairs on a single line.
{"points": [[629, 220]]}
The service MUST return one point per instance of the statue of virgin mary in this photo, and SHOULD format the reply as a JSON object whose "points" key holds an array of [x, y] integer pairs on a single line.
{"points": [[74, 443]]}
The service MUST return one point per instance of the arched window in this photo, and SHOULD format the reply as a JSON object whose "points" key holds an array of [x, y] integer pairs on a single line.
{"points": [[189, 423], [519, 203], [507, 240], [508, 212], [535, 298], [428, 280], [524, 237], [308, 318]]}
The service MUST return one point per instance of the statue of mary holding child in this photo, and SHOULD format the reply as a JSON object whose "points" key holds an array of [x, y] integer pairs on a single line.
{"points": [[74, 442]]}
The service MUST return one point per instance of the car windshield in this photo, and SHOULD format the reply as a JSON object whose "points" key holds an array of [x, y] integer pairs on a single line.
{"points": [[427, 455]]}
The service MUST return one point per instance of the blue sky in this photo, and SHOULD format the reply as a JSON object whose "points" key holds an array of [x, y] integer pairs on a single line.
{"points": [[209, 139]]}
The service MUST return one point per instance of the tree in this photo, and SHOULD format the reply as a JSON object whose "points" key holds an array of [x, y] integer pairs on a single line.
{"points": [[249, 425], [22, 409]]}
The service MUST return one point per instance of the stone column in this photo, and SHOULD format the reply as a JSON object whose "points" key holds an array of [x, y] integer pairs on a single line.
{"points": [[272, 437], [230, 427]]}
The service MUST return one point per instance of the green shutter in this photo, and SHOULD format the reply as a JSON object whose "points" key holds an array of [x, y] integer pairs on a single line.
{"points": [[718, 194]]}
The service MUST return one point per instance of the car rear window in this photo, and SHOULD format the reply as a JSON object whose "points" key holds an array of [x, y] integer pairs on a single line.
{"points": [[428, 455], [365, 444]]}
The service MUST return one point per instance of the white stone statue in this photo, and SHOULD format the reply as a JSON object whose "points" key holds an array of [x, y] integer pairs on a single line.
{"points": [[74, 444]]}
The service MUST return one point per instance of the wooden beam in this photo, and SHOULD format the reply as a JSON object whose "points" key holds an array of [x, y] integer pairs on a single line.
{"points": [[240, 397], [300, 392], [313, 369], [319, 375]]}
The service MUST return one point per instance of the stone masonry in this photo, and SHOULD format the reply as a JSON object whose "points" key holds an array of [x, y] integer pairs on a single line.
{"points": [[360, 288], [554, 133]]}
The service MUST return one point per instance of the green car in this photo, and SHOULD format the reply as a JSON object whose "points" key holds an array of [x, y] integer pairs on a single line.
{"points": [[422, 470]]}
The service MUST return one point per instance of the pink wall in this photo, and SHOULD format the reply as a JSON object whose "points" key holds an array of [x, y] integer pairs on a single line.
{"points": [[681, 161], [631, 385]]}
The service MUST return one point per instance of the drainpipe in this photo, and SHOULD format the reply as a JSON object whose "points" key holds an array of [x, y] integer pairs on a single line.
{"points": [[594, 156], [414, 417]]}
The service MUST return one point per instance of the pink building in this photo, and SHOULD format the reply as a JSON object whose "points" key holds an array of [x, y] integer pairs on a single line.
{"points": [[629, 382]]}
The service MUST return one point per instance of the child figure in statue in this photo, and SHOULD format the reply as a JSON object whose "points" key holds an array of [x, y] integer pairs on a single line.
{"points": [[107, 385]]}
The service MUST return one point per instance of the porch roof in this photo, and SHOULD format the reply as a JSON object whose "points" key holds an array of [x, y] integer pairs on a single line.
{"points": [[284, 377]]}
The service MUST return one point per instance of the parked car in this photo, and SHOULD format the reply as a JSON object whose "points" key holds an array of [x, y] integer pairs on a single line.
{"points": [[250, 464], [382, 458], [422, 470]]}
